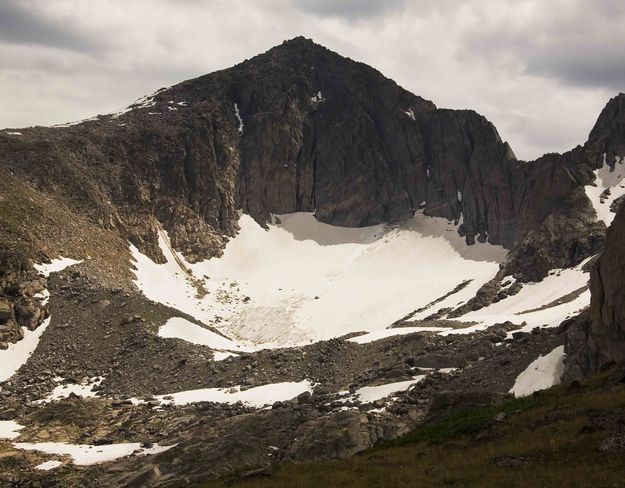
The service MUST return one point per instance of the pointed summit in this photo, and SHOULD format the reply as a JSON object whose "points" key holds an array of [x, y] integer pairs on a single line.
{"points": [[608, 134]]}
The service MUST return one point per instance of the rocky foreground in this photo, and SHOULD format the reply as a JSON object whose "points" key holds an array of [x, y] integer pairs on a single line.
{"points": [[109, 333]]}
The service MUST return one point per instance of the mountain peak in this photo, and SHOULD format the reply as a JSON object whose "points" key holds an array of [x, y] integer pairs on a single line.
{"points": [[299, 41]]}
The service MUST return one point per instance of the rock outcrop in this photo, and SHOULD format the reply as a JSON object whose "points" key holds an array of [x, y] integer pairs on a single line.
{"points": [[598, 340]]}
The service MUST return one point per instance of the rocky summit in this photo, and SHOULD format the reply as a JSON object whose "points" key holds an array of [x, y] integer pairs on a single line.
{"points": [[293, 260]]}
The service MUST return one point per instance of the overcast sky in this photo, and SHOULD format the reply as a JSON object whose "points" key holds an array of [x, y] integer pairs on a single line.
{"points": [[541, 71]]}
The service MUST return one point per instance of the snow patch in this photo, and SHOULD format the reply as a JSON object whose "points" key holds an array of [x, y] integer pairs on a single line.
{"points": [[221, 355], [533, 296], [56, 265], [13, 133], [143, 102], [317, 97], [541, 374], [259, 396], [43, 296], [369, 394], [84, 389], [410, 113], [48, 465], [9, 429], [84, 455]]}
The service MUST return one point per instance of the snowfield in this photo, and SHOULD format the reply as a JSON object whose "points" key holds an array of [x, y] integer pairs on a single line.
{"points": [[302, 281]]}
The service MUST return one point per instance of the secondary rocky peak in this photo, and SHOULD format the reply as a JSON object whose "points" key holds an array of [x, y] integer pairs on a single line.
{"points": [[608, 134]]}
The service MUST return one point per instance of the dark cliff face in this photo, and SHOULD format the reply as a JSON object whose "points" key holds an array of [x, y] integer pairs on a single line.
{"points": [[607, 307]]}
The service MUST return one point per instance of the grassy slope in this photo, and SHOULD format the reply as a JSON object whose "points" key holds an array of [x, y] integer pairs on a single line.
{"points": [[549, 440]]}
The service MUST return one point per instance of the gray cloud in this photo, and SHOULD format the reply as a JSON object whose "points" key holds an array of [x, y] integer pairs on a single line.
{"points": [[582, 66], [579, 44], [541, 75], [19, 25], [349, 9]]}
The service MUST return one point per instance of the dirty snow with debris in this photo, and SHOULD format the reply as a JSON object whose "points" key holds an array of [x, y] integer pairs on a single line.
{"points": [[275, 287], [384, 333], [525, 305], [179, 328], [541, 374]]}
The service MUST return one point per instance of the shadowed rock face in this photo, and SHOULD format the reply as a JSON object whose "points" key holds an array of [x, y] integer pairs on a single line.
{"points": [[600, 340]]}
